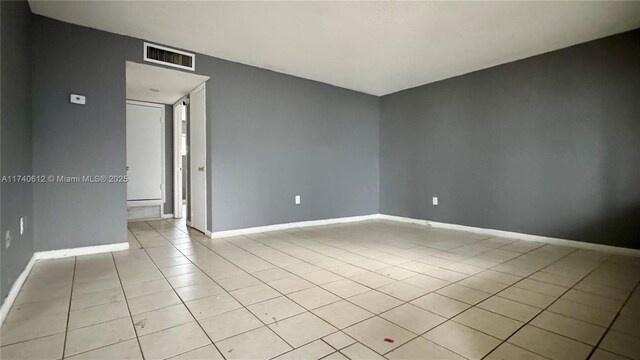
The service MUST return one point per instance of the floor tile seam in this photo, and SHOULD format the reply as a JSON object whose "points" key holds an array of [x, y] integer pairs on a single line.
{"points": [[31, 339], [100, 347], [133, 325], [394, 265], [543, 309], [285, 295], [99, 323], [328, 269], [475, 305], [93, 306], [242, 305], [615, 318], [66, 332], [183, 303], [423, 273], [194, 349]]}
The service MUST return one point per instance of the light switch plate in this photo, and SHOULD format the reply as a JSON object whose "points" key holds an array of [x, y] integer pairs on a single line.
{"points": [[297, 199], [77, 99], [435, 200]]}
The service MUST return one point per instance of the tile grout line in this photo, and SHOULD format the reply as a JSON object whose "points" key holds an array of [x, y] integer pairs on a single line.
{"points": [[604, 334], [377, 315], [545, 309], [248, 251], [473, 306], [227, 292], [404, 302], [496, 294], [245, 306], [282, 294], [296, 275], [491, 295], [182, 302], [450, 283], [115, 265], [104, 322], [435, 266], [66, 330], [455, 282], [231, 295]]}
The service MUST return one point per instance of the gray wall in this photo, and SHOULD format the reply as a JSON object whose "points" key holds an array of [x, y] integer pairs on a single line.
{"points": [[275, 136], [549, 145], [270, 136], [79, 140], [16, 133]]}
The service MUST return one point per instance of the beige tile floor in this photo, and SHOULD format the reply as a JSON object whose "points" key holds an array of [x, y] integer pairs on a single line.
{"points": [[369, 290]]}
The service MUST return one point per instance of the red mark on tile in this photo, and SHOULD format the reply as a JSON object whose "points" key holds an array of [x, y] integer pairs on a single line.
{"points": [[388, 340]]}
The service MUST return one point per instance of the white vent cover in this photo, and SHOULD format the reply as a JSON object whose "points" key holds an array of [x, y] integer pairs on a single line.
{"points": [[169, 57]]}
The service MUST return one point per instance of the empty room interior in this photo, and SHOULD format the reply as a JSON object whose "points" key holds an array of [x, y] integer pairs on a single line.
{"points": [[320, 180]]}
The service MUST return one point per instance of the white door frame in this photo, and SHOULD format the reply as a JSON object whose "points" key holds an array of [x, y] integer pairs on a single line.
{"points": [[162, 150], [191, 164], [177, 159]]}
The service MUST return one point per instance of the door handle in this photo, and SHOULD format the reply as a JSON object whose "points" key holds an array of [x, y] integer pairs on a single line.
{"points": [[201, 168]]}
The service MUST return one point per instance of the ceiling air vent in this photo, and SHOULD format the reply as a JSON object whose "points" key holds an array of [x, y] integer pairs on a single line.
{"points": [[169, 57]]}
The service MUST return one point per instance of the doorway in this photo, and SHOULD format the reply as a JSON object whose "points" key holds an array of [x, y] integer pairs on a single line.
{"points": [[145, 161], [181, 145], [180, 158], [197, 159]]}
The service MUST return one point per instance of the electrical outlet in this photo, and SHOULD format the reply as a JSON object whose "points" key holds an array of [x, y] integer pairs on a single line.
{"points": [[22, 225], [435, 200], [297, 199], [7, 239]]}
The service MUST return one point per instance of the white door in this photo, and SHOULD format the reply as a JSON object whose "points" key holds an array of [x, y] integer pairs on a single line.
{"points": [[178, 118], [144, 152], [197, 153]]}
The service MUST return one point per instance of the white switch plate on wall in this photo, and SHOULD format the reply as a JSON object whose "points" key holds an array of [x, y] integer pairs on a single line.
{"points": [[297, 199], [435, 200], [77, 99]]}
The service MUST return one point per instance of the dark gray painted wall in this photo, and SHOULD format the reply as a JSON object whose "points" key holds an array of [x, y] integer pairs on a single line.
{"points": [[79, 140], [274, 136], [168, 159], [270, 136], [16, 142], [549, 145]]}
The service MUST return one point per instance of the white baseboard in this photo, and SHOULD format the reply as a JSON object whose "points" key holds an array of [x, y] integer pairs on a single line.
{"points": [[52, 254], [476, 230], [86, 250], [514, 235], [15, 289], [134, 203], [300, 224], [167, 216]]}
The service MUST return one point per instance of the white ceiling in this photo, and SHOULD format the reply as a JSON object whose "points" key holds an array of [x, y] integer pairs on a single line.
{"points": [[373, 47], [159, 85]]}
